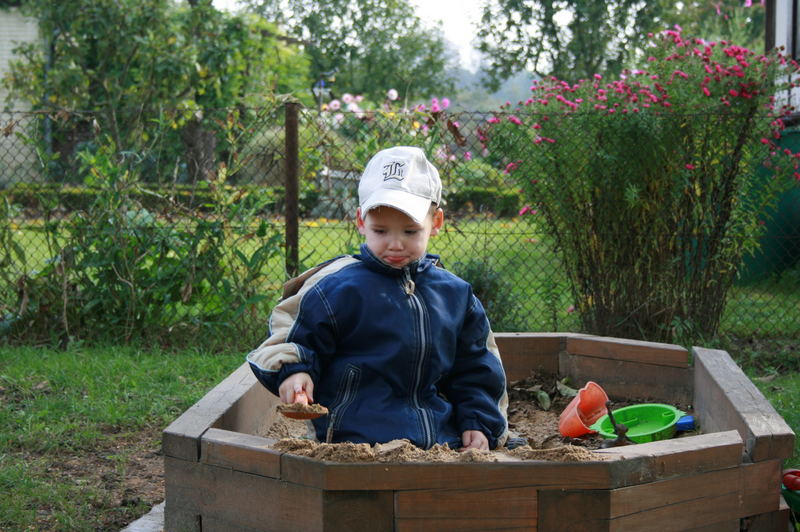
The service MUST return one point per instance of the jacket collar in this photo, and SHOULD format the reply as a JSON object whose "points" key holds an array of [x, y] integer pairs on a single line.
{"points": [[374, 263]]}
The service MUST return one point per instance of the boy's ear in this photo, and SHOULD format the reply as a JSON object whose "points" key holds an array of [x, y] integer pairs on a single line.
{"points": [[438, 222], [360, 222]]}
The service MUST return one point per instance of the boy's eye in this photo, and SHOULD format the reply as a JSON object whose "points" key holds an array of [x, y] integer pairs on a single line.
{"points": [[379, 231], [411, 231]]}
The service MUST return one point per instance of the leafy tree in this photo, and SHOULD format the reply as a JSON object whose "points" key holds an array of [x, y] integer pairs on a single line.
{"points": [[570, 39], [734, 20], [574, 39], [132, 62], [366, 46]]}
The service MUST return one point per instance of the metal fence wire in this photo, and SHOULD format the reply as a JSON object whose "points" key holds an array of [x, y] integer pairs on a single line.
{"points": [[182, 228]]}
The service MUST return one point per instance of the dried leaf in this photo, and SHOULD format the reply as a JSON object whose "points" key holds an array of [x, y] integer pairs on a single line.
{"points": [[543, 399], [565, 390]]}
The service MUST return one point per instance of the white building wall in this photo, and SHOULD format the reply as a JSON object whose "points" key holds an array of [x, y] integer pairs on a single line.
{"points": [[18, 161], [786, 23], [14, 29]]}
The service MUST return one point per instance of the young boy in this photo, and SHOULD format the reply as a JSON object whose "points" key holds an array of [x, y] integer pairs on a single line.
{"points": [[394, 346]]}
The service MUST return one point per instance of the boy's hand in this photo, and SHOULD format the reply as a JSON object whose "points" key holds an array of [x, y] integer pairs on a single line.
{"points": [[296, 383], [474, 439]]}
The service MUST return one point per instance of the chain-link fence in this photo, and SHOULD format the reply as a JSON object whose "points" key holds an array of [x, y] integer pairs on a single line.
{"points": [[184, 229]]}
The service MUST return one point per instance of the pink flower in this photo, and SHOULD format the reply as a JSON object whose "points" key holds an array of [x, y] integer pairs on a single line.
{"points": [[445, 103], [527, 209], [689, 166], [435, 107], [494, 120], [514, 120], [510, 167], [335, 105], [347, 97], [392, 94], [570, 309], [468, 156]]}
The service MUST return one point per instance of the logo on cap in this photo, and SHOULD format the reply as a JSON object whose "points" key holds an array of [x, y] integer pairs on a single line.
{"points": [[394, 170]]}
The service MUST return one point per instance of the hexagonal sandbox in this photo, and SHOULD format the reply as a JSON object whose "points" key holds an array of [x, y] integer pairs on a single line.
{"points": [[221, 476]]}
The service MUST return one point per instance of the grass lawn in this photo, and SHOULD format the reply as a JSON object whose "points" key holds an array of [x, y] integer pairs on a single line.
{"points": [[80, 430]]}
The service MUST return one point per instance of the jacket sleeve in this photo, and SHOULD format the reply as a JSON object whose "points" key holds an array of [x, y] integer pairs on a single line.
{"points": [[302, 328], [477, 384]]}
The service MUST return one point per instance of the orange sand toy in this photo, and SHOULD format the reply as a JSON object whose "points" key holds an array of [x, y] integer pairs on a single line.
{"points": [[586, 407], [300, 409]]}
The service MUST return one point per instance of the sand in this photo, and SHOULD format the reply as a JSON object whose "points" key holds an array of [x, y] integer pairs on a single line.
{"points": [[526, 415]]}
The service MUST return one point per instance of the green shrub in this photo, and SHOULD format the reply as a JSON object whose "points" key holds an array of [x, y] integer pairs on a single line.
{"points": [[647, 184], [121, 270], [494, 291], [502, 202]]}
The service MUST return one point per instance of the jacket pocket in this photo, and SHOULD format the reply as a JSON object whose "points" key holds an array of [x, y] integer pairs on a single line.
{"points": [[345, 396]]}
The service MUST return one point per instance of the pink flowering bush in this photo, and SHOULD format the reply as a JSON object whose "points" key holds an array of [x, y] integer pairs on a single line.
{"points": [[653, 185]]}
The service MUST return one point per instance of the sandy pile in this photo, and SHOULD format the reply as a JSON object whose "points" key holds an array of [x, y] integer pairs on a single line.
{"points": [[526, 418]]}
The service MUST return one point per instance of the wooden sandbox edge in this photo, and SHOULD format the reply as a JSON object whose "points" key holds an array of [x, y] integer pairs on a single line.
{"points": [[181, 439], [725, 399]]}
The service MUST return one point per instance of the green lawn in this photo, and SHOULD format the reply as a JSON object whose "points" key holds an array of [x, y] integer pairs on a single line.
{"points": [[523, 257], [81, 429]]}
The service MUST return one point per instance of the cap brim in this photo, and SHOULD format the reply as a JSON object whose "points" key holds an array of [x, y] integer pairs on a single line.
{"points": [[416, 207]]}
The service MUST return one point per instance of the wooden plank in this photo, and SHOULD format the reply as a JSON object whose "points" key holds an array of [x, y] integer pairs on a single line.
{"points": [[770, 521], [212, 524], [358, 510], [181, 439], [468, 525], [241, 452], [682, 516], [573, 510], [509, 503], [760, 487], [726, 399], [708, 501], [523, 353], [178, 518], [729, 525], [241, 499], [412, 476], [681, 456], [252, 413], [627, 380], [630, 350], [644, 497]]}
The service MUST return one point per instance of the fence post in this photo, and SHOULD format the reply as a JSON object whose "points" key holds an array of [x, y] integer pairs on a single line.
{"points": [[291, 209]]}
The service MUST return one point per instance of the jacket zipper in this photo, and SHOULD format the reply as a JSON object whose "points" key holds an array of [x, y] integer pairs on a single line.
{"points": [[345, 397], [419, 315]]}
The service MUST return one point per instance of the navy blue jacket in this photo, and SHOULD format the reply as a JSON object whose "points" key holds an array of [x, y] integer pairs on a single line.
{"points": [[393, 353]]}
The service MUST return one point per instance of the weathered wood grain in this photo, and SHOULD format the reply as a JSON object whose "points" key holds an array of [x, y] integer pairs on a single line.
{"points": [[681, 456], [181, 439], [240, 452], [627, 380], [630, 350], [523, 353], [726, 399]]}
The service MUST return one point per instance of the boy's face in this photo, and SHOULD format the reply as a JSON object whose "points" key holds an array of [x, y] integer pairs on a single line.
{"points": [[394, 237]]}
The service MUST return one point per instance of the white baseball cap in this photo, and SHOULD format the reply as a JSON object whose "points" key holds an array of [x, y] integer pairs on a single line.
{"points": [[402, 178]]}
